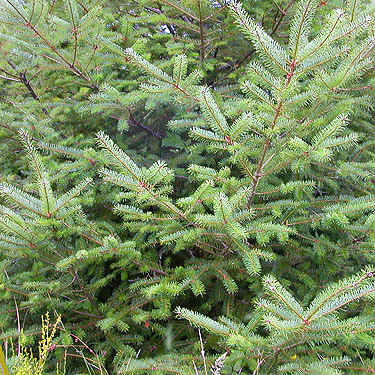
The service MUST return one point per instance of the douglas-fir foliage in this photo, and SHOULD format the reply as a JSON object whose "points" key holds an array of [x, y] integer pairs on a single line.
{"points": [[195, 188]]}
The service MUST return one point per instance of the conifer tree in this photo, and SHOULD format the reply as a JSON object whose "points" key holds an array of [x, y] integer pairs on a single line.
{"points": [[250, 212], [278, 141]]}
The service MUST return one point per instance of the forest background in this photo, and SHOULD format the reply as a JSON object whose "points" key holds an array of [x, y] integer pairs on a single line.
{"points": [[187, 187]]}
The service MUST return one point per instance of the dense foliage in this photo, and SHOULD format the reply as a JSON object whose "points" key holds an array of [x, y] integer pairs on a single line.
{"points": [[188, 186]]}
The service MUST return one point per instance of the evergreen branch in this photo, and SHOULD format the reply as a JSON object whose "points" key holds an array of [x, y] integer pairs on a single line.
{"points": [[42, 180], [325, 39], [210, 108], [337, 290], [184, 11], [301, 24], [263, 42], [199, 320], [21, 199], [277, 290], [119, 156], [70, 195], [201, 33]]}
